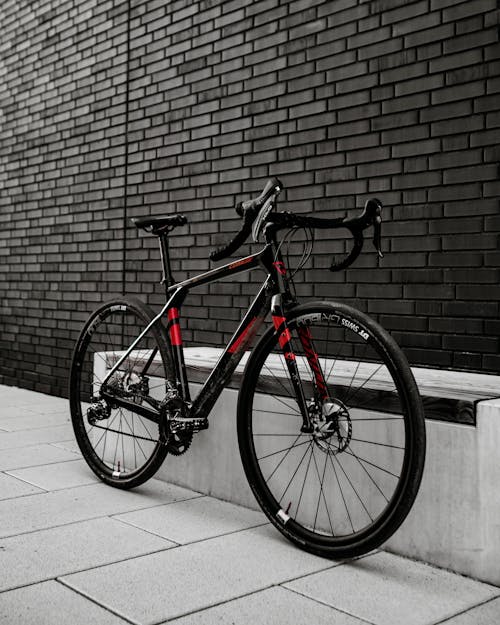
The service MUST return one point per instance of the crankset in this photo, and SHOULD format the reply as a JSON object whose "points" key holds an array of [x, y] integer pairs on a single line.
{"points": [[178, 429]]}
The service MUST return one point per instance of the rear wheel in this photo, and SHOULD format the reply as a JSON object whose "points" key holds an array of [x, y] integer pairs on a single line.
{"points": [[120, 444], [343, 489]]}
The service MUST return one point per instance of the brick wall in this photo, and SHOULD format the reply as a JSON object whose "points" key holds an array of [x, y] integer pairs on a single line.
{"points": [[111, 109]]}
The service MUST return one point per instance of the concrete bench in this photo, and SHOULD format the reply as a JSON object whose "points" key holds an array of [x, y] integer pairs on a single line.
{"points": [[455, 522]]}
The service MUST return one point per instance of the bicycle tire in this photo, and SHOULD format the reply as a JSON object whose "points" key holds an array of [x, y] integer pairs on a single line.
{"points": [[123, 448], [368, 398]]}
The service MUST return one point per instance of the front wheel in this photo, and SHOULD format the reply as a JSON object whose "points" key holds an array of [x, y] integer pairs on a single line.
{"points": [[344, 488]]}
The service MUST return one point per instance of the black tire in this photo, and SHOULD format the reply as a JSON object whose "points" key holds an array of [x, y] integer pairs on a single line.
{"points": [[122, 447], [345, 489]]}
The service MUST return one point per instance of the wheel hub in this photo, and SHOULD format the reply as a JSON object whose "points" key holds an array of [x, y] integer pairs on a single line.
{"points": [[332, 426]]}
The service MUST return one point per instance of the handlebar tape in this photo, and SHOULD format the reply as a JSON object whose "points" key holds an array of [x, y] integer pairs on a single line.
{"points": [[249, 211]]}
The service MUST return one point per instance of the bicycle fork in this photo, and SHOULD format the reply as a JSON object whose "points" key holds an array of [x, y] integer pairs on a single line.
{"points": [[285, 341]]}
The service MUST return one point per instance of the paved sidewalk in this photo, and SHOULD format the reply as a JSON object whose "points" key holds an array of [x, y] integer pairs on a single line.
{"points": [[73, 550]]}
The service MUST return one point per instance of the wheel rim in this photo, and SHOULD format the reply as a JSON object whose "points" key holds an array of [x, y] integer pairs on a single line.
{"points": [[117, 442], [341, 483]]}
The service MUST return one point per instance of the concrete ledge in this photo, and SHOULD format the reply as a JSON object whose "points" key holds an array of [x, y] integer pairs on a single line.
{"points": [[455, 522]]}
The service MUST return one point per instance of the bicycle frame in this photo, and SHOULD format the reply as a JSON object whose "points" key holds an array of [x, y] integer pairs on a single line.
{"points": [[271, 296]]}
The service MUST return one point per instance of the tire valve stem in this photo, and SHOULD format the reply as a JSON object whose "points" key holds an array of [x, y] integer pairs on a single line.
{"points": [[288, 507], [118, 466]]}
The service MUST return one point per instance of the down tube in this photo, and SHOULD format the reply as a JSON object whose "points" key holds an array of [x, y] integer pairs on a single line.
{"points": [[233, 353]]}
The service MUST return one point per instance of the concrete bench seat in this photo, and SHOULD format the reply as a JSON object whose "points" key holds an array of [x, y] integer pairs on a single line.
{"points": [[447, 395]]}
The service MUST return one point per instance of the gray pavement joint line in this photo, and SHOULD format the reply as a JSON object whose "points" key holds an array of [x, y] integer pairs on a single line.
{"points": [[22, 479], [115, 518], [43, 491], [224, 601], [95, 602], [356, 616], [34, 466], [92, 518], [335, 564], [449, 619], [90, 568], [191, 542], [31, 428]]}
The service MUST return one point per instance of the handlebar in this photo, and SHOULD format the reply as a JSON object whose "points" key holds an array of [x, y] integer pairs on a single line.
{"points": [[259, 210], [371, 216], [249, 210]]}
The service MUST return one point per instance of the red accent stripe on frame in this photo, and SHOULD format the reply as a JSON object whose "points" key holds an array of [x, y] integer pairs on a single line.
{"points": [[239, 339], [278, 321], [175, 329]]}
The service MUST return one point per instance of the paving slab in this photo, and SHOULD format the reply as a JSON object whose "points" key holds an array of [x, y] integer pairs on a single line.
{"points": [[11, 487], [26, 438], [50, 603], [35, 512], [58, 551], [31, 400], [27, 420], [33, 456], [485, 614], [58, 475], [274, 606], [69, 444], [178, 581], [195, 519], [389, 590]]}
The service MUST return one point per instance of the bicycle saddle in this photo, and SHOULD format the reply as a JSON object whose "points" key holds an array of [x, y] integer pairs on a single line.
{"points": [[159, 225]]}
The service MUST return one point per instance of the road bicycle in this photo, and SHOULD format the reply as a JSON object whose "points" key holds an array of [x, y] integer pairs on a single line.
{"points": [[329, 419]]}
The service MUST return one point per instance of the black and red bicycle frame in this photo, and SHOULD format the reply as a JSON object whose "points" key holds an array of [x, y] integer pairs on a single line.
{"points": [[274, 296]]}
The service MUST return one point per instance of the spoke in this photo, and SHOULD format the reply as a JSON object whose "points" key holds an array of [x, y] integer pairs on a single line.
{"points": [[104, 434], [117, 441], [355, 491], [321, 481], [281, 434], [311, 447], [360, 440], [350, 453], [282, 460], [293, 476], [376, 418], [372, 479], [131, 429], [350, 397], [287, 391], [287, 449], [282, 414], [341, 492]]}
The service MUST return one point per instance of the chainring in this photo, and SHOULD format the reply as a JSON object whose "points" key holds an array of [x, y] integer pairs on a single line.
{"points": [[179, 442]]}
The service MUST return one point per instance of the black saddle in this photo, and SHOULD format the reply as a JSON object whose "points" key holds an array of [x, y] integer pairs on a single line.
{"points": [[159, 225]]}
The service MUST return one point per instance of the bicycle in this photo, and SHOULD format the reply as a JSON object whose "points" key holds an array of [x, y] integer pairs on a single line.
{"points": [[329, 419]]}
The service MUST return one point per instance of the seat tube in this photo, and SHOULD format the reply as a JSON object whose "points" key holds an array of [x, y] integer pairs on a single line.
{"points": [[285, 341], [174, 330]]}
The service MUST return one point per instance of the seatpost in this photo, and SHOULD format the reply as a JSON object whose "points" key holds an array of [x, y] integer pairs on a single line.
{"points": [[167, 278]]}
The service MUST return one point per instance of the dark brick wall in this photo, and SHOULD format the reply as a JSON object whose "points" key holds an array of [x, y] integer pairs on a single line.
{"points": [[112, 109]]}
